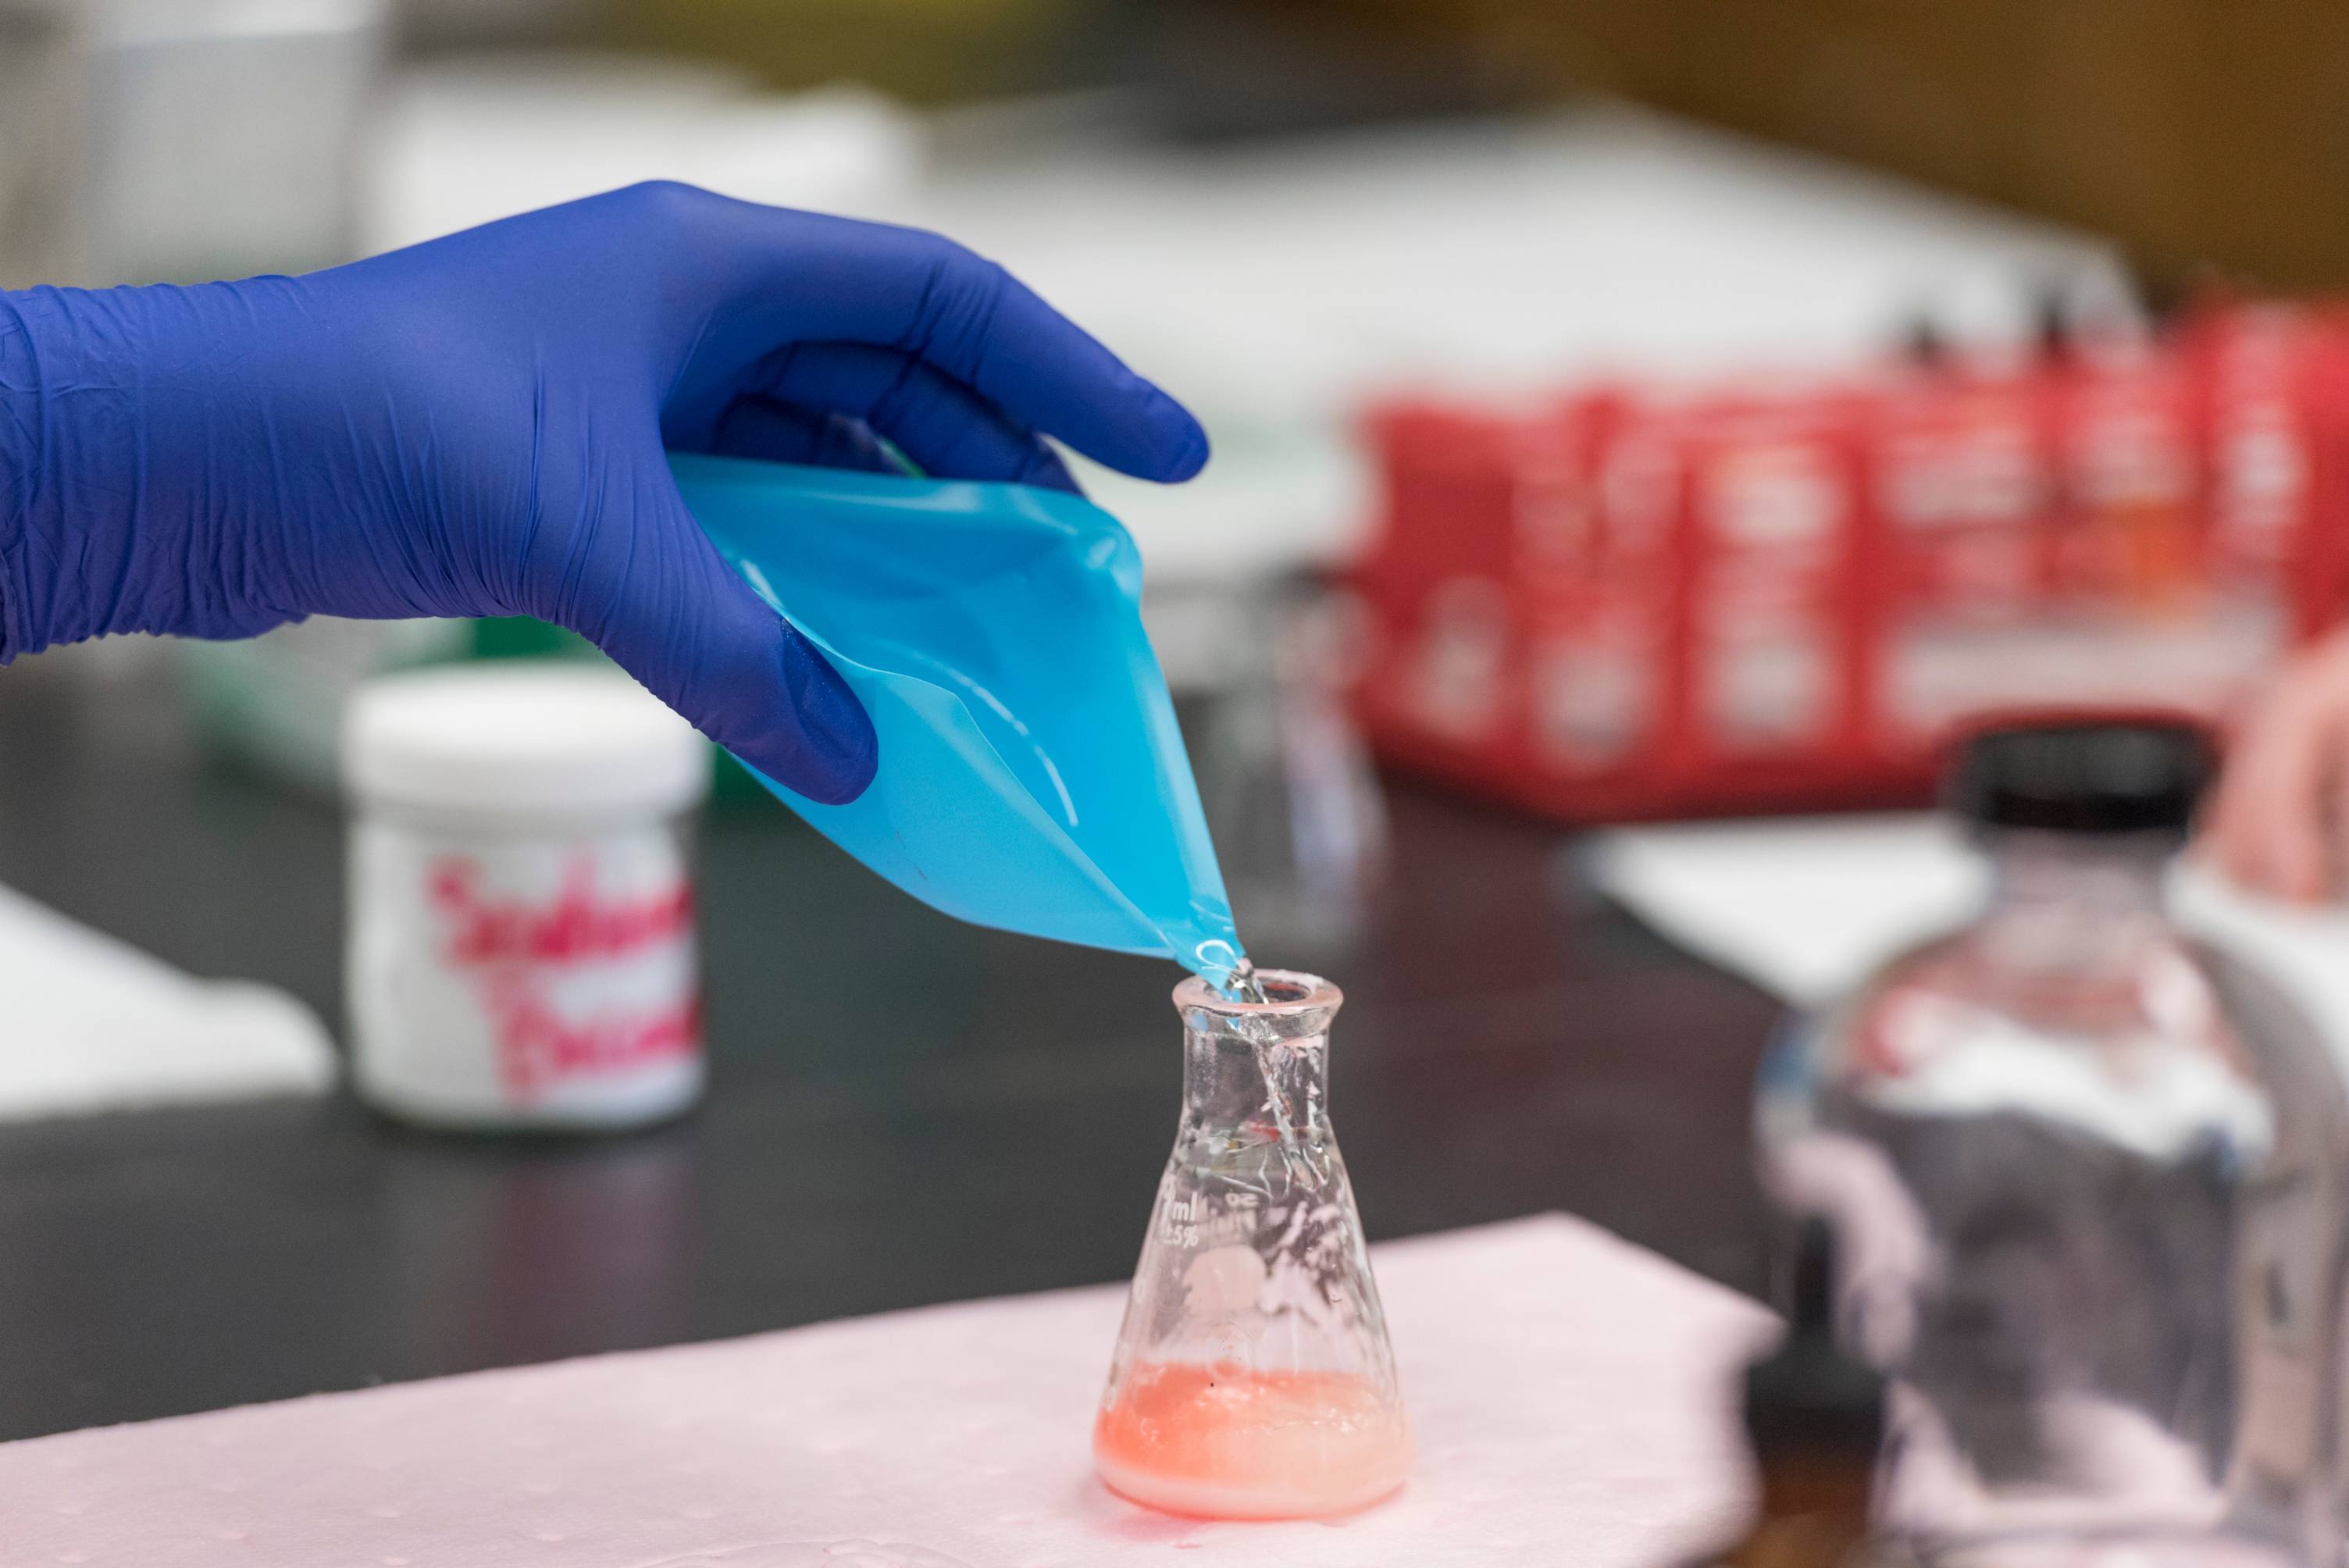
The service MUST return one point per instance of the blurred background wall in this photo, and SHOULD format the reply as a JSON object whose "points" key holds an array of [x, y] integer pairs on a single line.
{"points": [[2192, 130], [2201, 133]]}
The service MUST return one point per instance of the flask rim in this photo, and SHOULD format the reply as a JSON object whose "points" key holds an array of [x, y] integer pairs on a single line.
{"points": [[1289, 992]]}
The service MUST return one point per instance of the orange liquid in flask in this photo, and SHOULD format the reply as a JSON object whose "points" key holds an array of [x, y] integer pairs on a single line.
{"points": [[1227, 1443]]}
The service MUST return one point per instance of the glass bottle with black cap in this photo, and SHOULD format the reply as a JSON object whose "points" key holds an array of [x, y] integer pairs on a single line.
{"points": [[2086, 1179]]}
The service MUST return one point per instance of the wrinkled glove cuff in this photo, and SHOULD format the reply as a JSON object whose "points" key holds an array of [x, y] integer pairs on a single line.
{"points": [[128, 424], [20, 450]]}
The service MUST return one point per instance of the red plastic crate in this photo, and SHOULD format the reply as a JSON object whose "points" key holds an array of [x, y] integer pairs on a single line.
{"points": [[1613, 606]]}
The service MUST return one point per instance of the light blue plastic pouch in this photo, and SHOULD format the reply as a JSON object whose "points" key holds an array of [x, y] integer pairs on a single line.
{"points": [[1031, 775]]}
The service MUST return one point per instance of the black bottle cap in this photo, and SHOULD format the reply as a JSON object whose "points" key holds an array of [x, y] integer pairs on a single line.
{"points": [[1807, 1395], [2083, 777]]}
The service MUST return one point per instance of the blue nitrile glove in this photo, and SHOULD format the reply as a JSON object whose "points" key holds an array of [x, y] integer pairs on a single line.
{"points": [[475, 427]]}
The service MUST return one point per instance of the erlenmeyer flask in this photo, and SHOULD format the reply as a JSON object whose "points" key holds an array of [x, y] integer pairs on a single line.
{"points": [[1252, 1378]]}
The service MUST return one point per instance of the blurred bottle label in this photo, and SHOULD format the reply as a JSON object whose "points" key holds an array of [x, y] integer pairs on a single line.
{"points": [[525, 979]]}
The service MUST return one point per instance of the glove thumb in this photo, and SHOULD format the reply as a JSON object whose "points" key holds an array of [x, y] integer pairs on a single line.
{"points": [[676, 617]]}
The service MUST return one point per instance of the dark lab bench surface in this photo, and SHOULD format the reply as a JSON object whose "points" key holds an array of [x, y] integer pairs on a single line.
{"points": [[904, 1109]]}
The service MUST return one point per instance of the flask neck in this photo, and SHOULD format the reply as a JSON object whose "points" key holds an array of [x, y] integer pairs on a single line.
{"points": [[1269, 1073]]}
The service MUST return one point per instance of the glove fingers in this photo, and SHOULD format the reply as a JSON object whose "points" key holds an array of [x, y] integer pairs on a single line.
{"points": [[670, 612], [943, 425], [805, 278], [774, 432], [982, 327]]}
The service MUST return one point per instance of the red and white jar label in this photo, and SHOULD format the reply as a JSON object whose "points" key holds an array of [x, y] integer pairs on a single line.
{"points": [[524, 980]]}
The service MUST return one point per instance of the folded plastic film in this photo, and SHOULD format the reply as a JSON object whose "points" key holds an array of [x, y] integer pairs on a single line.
{"points": [[1032, 776]]}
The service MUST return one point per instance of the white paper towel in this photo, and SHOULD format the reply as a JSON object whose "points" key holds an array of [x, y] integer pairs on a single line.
{"points": [[90, 1024], [1806, 907], [1571, 1396]]}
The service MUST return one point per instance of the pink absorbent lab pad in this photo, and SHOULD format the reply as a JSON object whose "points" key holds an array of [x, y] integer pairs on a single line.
{"points": [[1570, 1397]]}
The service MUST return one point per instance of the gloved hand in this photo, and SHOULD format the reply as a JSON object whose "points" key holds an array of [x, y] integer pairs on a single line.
{"points": [[475, 427]]}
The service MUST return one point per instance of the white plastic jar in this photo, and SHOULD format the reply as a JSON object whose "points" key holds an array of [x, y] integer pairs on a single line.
{"points": [[522, 946]]}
